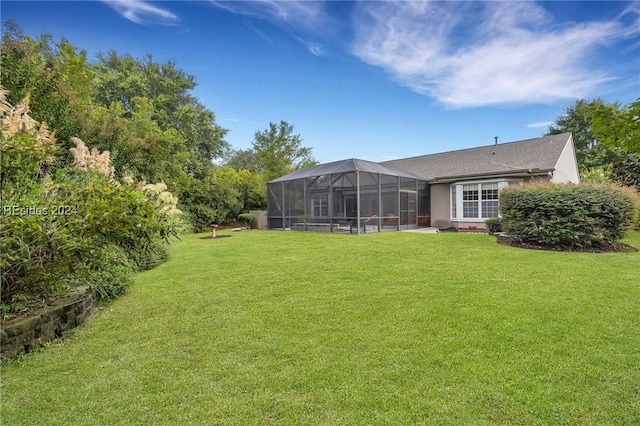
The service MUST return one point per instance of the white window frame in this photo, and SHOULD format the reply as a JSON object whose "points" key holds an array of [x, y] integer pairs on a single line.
{"points": [[456, 211], [321, 203]]}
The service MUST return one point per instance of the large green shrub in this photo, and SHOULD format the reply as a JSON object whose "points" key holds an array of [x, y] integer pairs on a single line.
{"points": [[570, 216], [79, 228], [73, 226]]}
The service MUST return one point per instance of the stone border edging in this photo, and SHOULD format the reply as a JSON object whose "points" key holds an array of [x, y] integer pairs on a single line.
{"points": [[22, 335]]}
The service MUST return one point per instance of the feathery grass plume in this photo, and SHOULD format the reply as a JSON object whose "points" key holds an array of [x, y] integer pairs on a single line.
{"points": [[128, 179], [44, 135], [17, 119], [164, 199], [84, 159], [5, 106], [80, 154]]}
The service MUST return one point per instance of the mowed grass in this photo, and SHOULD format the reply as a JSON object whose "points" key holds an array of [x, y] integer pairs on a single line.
{"points": [[269, 327]]}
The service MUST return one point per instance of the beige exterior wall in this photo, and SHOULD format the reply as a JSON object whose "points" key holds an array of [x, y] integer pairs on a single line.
{"points": [[441, 202], [440, 210], [567, 166], [566, 171]]}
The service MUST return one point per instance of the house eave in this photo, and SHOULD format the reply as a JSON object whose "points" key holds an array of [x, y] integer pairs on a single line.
{"points": [[492, 175]]}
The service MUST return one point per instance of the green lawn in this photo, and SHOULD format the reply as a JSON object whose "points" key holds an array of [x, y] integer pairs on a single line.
{"points": [[269, 327]]}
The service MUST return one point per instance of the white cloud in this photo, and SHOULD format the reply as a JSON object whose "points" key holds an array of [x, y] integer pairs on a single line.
{"points": [[314, 47], [305, 14], [540, 124], [467, 54], [142, 12]]}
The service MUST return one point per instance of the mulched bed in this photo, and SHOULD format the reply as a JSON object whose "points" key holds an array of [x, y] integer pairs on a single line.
{"points": [[615, 248]]}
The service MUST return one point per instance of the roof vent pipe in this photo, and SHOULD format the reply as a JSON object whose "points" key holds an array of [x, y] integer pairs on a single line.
{"points": [[496, 139]]}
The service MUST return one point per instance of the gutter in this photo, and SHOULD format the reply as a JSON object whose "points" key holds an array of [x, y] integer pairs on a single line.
{"points": [[511, 173]]}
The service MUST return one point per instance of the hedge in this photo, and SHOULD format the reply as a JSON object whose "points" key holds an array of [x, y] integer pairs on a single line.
{"points": [[567, 215]]}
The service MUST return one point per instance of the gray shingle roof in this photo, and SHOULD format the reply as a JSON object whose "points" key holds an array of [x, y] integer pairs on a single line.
{"points": [[540, 154], [345, 166]]}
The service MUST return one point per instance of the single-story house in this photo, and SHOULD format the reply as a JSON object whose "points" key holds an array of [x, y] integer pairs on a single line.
{"points": [[450, 189]]}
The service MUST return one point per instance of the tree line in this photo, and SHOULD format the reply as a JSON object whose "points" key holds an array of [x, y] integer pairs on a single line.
{"points": [[142, 112], [606, 138]]}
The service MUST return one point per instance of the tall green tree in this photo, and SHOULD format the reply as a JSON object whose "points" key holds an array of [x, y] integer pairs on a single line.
{"points": [[279, 151], [243, 159], [55, 76], [578, 119], [121, 79], [618, 128], [248, 178], [167, 132], [140, 110]]}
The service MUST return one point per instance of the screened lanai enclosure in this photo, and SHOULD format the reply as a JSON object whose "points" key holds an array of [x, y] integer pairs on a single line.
{"points": [[349, 196]]}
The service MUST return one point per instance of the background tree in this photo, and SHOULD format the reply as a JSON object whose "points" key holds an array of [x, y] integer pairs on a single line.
{"points": [[279, 151], [144, 114], [627, 172], [122, 79], [55, 76], [597, 174], [578, 119], [618, 128], [243, 159]]}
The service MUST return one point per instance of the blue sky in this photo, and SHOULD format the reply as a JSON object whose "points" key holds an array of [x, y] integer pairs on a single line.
{"points": [[373, 80]]}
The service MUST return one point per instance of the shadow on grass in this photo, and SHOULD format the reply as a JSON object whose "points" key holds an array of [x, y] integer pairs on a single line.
{"points": [[611, 248], [209, 237]]}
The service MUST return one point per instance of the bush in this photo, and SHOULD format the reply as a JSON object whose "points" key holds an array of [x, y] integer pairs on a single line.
{"points": [[75, 226], [568, 216], [248, 219], [636, 218], [78, 228], [494, 225], [150, 255], [109, 272], [202, 217]]}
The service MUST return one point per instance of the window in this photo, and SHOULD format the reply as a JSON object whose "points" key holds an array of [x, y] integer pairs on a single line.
{"points": [[470, 201], [476, 201], [319, 206], [454, 203], [490, 199]]}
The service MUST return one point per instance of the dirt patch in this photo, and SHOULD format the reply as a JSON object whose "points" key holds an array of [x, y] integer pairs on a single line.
{"points": [[614, 248]]}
